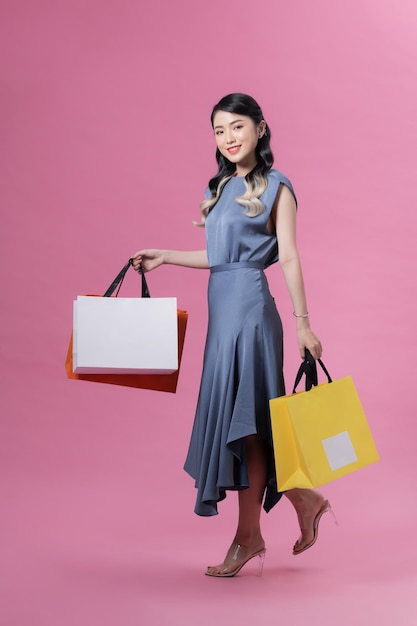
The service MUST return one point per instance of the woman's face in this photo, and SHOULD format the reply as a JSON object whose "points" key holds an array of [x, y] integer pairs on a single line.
{"points": [[236, 138]]}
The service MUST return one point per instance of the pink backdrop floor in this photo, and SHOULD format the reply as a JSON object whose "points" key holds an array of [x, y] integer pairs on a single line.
{"points": [[106, 148], [99, 529]]}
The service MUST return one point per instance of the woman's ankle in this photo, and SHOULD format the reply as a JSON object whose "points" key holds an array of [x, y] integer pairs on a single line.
{"points": [[301, 498], [249, 539]]}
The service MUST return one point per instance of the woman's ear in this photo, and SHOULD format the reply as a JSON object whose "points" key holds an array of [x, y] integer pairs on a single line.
{"points": [[261, 129]]}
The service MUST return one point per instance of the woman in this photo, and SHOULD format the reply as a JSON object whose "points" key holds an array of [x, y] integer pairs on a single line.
{"points": [[249, 214]]}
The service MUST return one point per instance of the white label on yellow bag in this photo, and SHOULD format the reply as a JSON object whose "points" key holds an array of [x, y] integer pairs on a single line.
{"points": [[339, 450]]}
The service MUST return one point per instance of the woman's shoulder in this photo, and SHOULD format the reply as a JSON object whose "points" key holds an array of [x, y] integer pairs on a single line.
{"points": [[277, 178]]}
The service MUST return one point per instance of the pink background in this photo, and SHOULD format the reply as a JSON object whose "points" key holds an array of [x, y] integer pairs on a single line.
{"points": [[107, 148]]}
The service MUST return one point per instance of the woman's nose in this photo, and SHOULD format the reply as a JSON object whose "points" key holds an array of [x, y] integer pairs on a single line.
{"points": [[229, 136]]}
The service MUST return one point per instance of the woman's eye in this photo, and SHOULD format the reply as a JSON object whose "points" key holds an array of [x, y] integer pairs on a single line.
{"points": [[219, 132], [237, 127]]}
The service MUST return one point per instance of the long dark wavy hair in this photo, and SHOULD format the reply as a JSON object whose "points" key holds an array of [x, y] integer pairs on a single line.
{"points": [[256, 180]]}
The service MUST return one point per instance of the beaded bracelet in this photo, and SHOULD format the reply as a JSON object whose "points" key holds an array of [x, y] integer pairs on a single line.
{"points": [[303, 316]]}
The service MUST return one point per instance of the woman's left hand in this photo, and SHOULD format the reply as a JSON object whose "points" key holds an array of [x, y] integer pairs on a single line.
{"points": [[307, 339]]}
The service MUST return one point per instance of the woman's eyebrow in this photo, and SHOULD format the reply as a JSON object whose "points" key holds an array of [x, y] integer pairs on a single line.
{"points": [[231, 124]]}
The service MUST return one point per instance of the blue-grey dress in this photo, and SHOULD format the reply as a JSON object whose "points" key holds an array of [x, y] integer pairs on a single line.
{"points": [[243, 355]]}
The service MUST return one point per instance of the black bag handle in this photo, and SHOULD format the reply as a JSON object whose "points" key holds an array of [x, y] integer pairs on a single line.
{"points": [[117, 283], [309, 368]]}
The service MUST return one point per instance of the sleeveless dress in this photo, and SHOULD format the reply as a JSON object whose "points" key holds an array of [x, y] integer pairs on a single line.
{"points": [[242, 368]]}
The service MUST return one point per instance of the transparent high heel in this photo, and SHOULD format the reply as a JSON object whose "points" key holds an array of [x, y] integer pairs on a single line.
{"points": [[261, 563], [237, 556], [325, 507]]}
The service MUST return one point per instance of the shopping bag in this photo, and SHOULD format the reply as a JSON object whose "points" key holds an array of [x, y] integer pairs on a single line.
{"points": [[319, 434], [125, 335], [157, 381]]}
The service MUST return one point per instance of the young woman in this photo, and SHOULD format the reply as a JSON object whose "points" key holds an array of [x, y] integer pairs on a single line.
{"points": [[250, 219]]}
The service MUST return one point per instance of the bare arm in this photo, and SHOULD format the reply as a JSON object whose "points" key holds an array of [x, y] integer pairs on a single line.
{"points": [[284, 215], [152, 258]]}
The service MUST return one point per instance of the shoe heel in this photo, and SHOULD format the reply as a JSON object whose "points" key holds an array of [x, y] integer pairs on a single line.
{"points": [[332, 515], [261, 563]]}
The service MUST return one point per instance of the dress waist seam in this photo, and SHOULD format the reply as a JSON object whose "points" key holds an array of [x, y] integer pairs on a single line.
{"points": [[224, 267]]}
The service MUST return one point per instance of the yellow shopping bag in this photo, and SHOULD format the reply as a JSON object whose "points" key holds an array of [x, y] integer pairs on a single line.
{"points": [[319, 434]]}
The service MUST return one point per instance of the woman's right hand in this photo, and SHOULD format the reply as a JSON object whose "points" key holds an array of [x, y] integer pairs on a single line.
{"points": [[149, 259]]}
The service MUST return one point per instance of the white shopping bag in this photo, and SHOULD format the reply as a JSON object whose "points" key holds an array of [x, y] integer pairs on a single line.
{"points": [[125, 335]]}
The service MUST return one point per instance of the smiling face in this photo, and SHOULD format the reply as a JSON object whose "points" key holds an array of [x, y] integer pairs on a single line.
{"points": [[236, 138]]}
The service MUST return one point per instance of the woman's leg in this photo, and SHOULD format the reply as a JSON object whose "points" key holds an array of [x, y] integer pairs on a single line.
{"points": [[307, 504], [248, 538], [248, 531]]}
